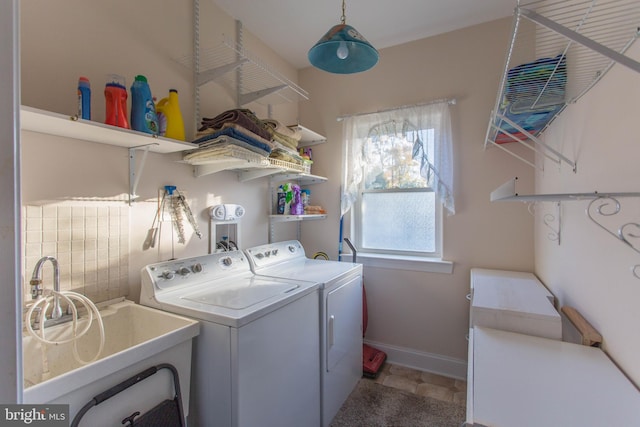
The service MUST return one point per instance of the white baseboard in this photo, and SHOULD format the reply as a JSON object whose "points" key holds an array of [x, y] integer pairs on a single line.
{"points": [[428, 362]]}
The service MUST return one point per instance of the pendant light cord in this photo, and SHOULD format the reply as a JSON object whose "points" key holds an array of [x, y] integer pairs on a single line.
{"points": [[343, 18]]}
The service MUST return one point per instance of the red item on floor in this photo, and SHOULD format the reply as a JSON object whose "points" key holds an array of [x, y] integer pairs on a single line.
{"points": [[372, 358]]}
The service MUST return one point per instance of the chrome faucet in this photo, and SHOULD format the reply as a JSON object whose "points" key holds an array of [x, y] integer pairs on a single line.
{"points": [[36, 284]]}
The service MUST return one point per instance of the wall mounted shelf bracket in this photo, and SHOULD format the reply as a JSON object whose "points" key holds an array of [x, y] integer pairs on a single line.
{"points": [[627, 233], [134, 174], [601, 206], [553, 221], [216, 73]]}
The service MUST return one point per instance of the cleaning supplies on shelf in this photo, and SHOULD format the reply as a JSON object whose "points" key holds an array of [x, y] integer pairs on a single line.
{"points": [[285, 198], [143, 109], [282, 201], [169, 108], [115, 93], [84, 99], [305, 196], [296, 205]]}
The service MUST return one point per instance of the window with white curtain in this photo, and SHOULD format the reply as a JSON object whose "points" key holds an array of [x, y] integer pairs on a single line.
{"points": [[397, 179]]}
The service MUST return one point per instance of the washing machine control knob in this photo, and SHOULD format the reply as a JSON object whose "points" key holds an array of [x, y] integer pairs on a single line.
{"points": [[274, 252], [196, 268], [168, 275], [292, 248], [267, 253], [227, 261], [259, 256], [184, 271]]}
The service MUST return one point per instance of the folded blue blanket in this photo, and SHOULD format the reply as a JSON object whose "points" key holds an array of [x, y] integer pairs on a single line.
{"points": [[233, 133]]}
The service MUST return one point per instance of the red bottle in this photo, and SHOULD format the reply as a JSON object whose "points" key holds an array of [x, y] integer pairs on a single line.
{"points": [[115, 95]]}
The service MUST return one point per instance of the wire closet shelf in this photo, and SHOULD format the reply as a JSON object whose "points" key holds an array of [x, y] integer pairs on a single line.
{"points": [[258, 82], [557, 52]]}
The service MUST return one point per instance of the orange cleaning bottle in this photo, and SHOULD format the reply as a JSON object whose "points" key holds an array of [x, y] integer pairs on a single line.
{"points": [[170, 108]]}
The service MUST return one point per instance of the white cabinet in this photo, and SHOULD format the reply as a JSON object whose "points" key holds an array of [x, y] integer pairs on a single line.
{"points": [[525, 381], [519, 371], [513, 301]]}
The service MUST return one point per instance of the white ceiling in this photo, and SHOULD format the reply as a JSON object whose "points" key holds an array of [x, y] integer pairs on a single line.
{"points": [[291, 27]]}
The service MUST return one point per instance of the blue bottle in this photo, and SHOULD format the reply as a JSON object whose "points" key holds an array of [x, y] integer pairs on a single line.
{"points": [[84, 98], [143, 109]]}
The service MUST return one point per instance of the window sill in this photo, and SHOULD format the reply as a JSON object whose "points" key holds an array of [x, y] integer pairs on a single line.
{"points": [[429, 265]]}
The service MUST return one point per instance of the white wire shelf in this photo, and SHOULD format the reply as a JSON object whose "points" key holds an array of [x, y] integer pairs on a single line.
{"points": [[249, 165], [259, 82], [587, 37]]}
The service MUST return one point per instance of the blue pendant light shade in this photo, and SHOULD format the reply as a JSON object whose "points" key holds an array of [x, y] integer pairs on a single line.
{"points": [[343, 50]]}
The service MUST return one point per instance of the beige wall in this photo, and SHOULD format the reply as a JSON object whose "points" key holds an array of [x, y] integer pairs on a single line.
{"points": [[61, 41], [420, 315], [591, 269]]}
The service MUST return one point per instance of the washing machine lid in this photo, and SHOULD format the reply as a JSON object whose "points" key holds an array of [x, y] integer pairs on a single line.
{"points": [[218, 288], [240, 295]]}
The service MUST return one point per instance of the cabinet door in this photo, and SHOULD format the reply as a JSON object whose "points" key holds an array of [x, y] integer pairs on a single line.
{"points": [[344, 326]]}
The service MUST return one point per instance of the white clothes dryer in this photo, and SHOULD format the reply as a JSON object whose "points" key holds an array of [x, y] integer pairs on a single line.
{"points": [[340, 285], [256, 360]]}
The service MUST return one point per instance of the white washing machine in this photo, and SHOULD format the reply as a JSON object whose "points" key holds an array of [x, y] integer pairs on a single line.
{"points": [[256, 360], [340, 286]]}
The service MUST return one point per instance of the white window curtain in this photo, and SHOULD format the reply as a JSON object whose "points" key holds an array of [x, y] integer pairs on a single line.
{"points": [[436, 165]]}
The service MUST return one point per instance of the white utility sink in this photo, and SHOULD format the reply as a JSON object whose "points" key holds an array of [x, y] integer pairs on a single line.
{"points": [[136, 338]]}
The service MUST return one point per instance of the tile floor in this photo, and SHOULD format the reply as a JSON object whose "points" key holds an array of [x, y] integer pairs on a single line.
{"points": [[424, 383]]}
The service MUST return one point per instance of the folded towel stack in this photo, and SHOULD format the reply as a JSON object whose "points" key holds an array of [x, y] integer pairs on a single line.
{"points": [[239, 116], [242, 127], [282, 134], [286, 141]]}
